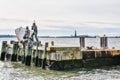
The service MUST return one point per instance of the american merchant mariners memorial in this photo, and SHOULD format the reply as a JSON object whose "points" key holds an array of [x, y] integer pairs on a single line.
{"points": [[29, 51]]}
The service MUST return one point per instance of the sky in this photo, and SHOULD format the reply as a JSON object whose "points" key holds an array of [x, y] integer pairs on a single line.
{"points": [[61, 17]]}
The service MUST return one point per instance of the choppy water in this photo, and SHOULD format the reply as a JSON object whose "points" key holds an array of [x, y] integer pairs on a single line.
{"points": [[16, 71]]}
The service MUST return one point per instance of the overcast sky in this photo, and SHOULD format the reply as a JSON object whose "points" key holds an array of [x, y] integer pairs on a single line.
{"points": [[61, 17]]}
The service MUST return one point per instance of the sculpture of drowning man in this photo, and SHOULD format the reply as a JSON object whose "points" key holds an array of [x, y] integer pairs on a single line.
{"points": [[27, 38], [27, 34], [35, 32]]}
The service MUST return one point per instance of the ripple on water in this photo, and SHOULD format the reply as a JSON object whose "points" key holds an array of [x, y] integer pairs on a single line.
{"points": [[9, 72]]}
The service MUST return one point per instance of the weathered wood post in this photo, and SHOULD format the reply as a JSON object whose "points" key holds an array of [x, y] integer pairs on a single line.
{"points": [[82, 42], [20, 54], [28, 52], [9, 50], [103, 42], [36, 55], [33, 56], [52, 43], [23, 57], [15, 51], [82, 45], [44, 56], [3, 50], [40, 58]]}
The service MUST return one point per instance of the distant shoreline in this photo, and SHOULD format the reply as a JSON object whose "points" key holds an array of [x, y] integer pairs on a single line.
{"points": [[13, 36], [7, 36]]}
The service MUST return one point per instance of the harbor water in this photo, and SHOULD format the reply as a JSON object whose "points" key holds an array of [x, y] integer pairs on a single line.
{"points": [[17, 71]]}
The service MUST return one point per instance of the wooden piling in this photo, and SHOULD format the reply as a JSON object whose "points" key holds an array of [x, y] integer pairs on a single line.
{"points": [[28, 53], [36, 55], [40, 58], [82, 45], [23, 57], [9, 50], [82, 42], [36, 61], [103, 42], [52, 43], [3, 50], [44, 56], [15, 52]]}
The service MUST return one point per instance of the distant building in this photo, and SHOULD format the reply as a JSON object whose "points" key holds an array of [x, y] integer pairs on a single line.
{"points": [[75, 33]]}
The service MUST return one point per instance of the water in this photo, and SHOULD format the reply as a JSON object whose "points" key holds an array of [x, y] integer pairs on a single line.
{"points": [[17, 71], [112, 42]]}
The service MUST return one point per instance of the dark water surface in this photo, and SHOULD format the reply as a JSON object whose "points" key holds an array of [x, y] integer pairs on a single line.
{"points": [[17, 71]]}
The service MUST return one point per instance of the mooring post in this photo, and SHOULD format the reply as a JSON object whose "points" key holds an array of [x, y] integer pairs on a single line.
{"points": [[10, 50], [82, 45], [103, 42], [3, 50], [15, 51], [82, 42], [33, 56], [40, 58], [23, 57], [28, 52], [52, 43], [44, 56], [36, 55]]}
